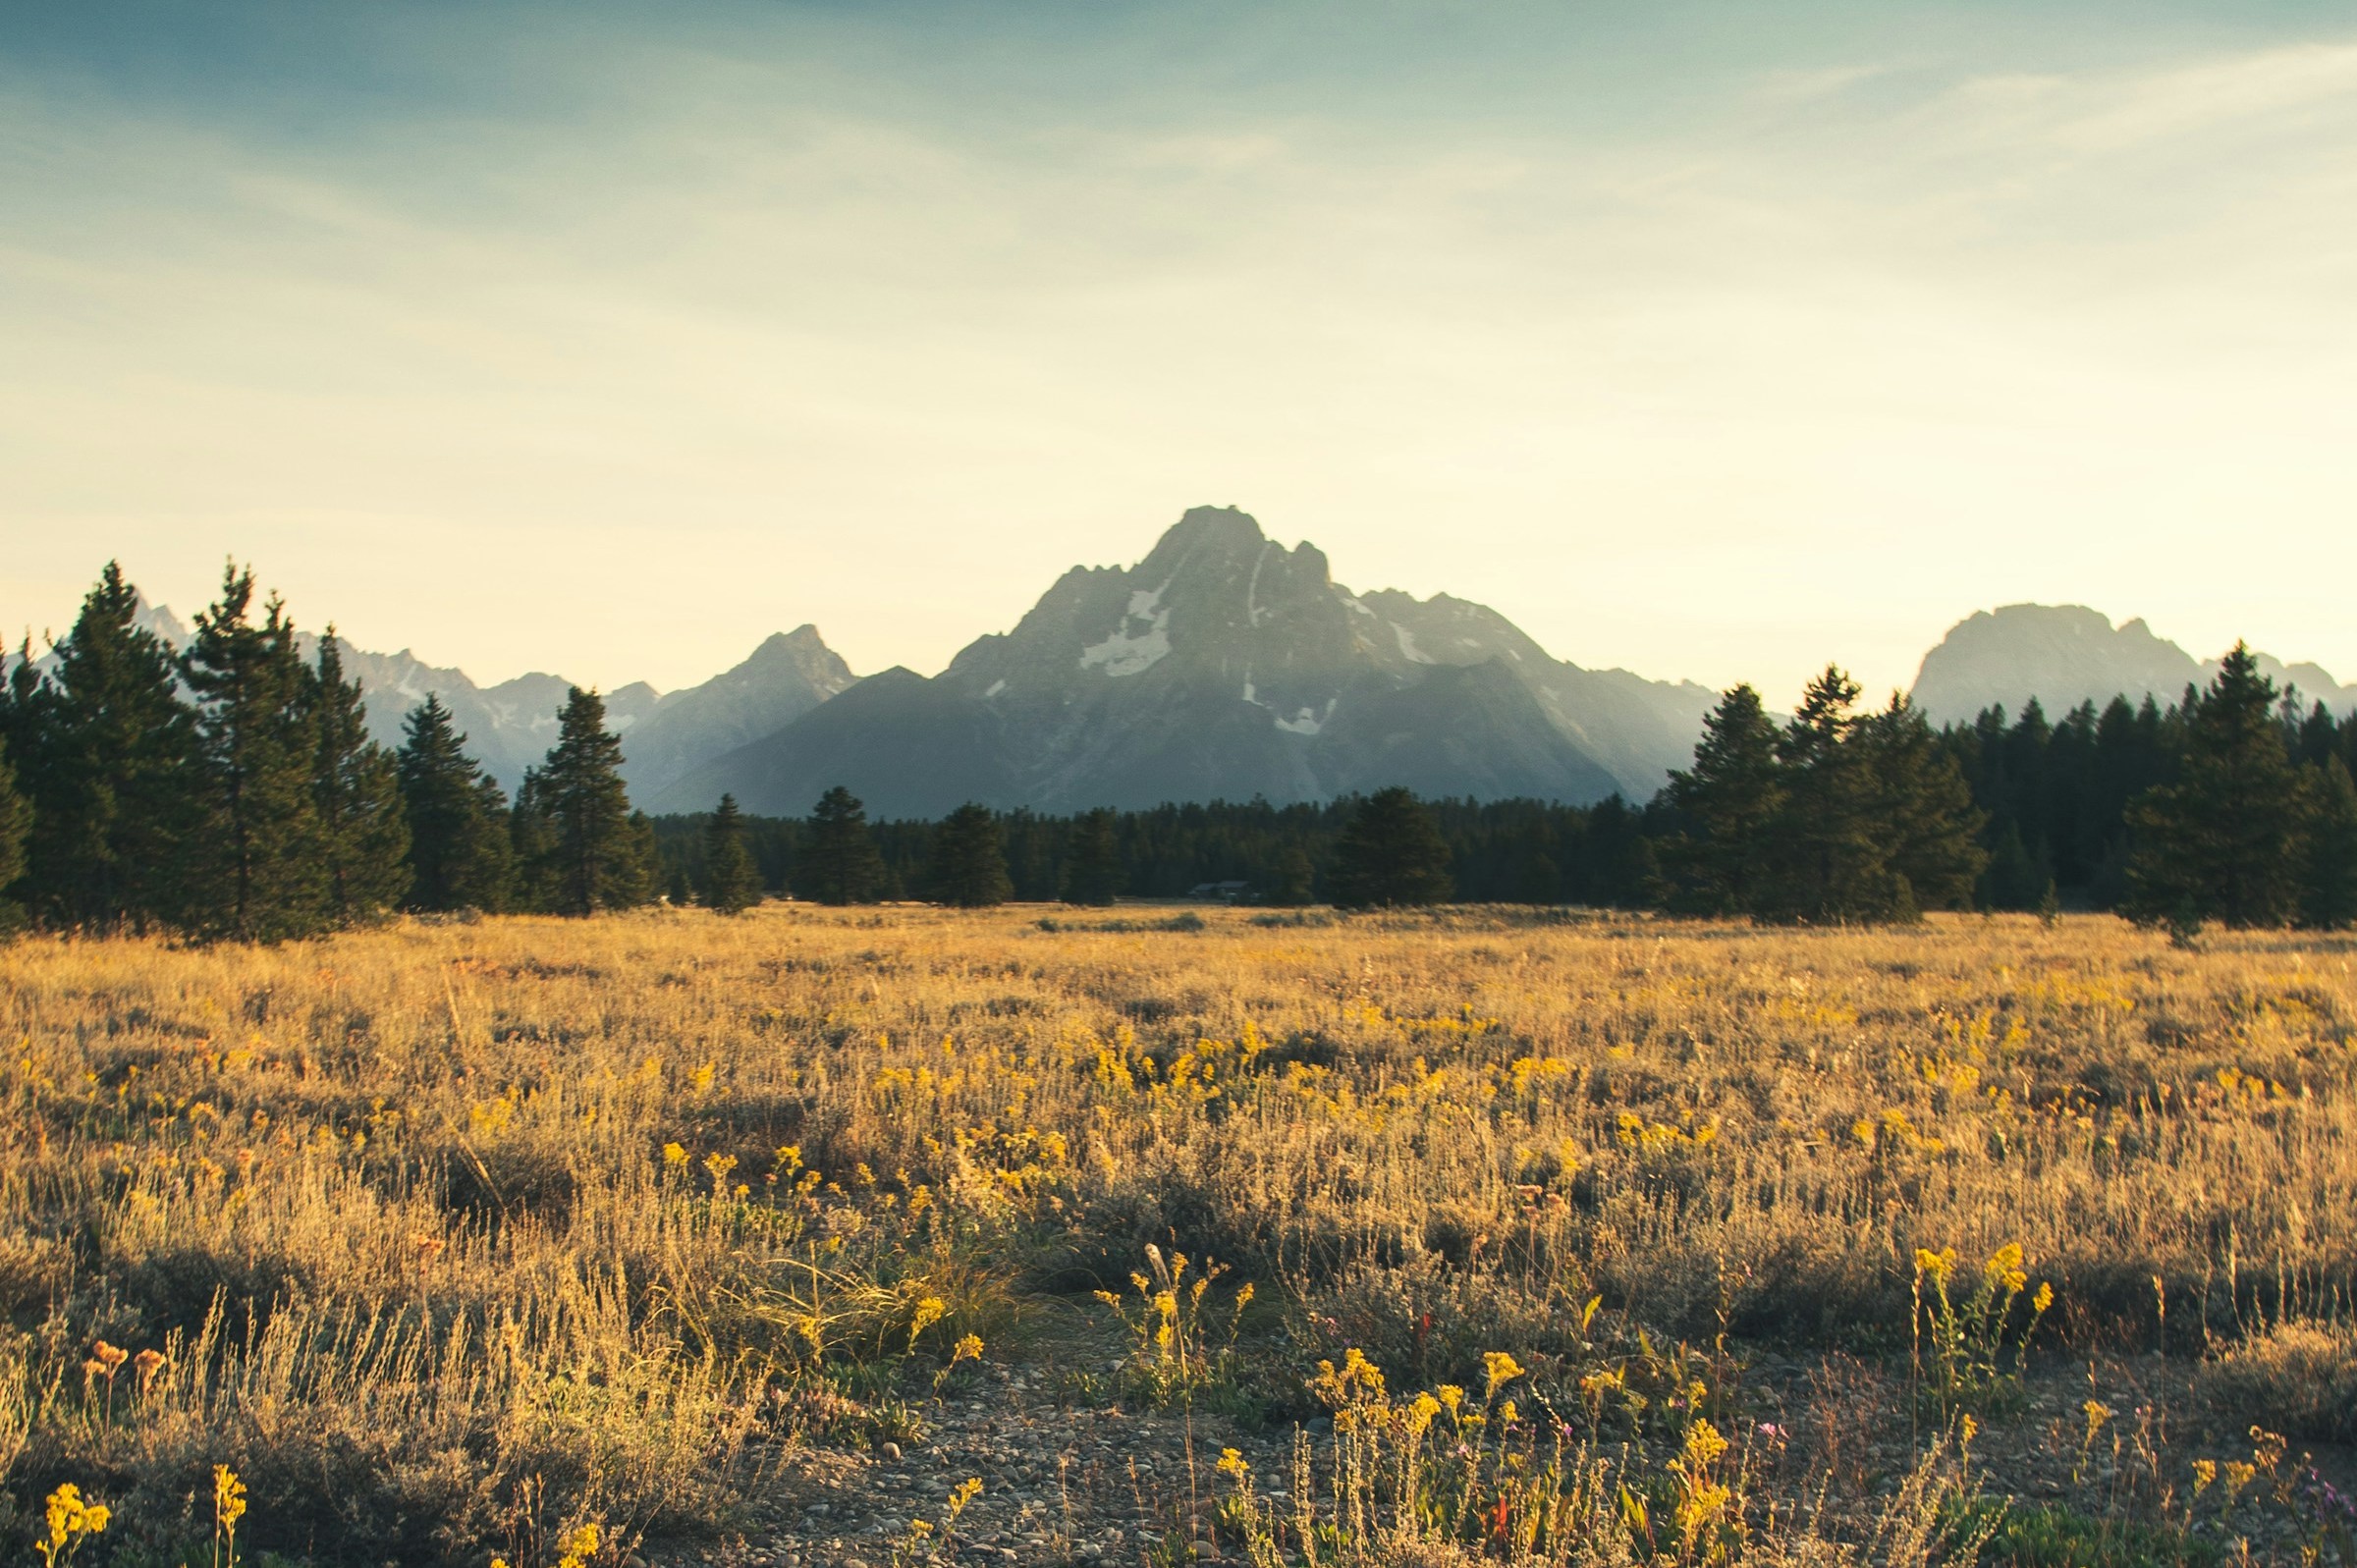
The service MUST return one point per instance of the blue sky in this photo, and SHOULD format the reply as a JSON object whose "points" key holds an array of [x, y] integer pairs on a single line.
{"points": [[1711, 340]]}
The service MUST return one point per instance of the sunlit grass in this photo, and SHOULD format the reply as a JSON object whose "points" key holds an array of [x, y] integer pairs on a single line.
{"points": [[514, 1227]]}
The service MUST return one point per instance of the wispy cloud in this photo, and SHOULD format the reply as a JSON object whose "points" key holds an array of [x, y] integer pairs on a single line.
{"points": [[1700, 394]]}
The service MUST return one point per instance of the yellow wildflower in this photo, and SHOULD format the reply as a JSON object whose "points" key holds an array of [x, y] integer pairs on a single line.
{"points": [[70, 1518], [579, 1547], [1936, 1264], [1501, 1367], [1704, 1445]]}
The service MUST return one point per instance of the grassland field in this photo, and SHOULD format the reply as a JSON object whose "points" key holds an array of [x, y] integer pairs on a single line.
{"points": [[1569, 1238]]}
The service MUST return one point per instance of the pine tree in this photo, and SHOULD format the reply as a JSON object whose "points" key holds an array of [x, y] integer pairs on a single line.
{"points": [[532, 849], [1922, 811], [1294, 882], [105, 750], [16, 826], [968, 868], [1539, 881], [2221, 842], [599, 850], [258, 866], [1732, 798], [2319, 736], [363, 832], [1827, 863], [639, 870], [1391, 855], [731, 883], [460, 856], [839, 863], [2329, 891], [1094, 874]]}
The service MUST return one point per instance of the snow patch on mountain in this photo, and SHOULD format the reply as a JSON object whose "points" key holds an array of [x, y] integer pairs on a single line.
{"points": [[1408, 646], [1308, 721], [1127, 653]]}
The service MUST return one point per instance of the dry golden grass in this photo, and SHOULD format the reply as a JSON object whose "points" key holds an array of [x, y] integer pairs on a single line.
{"points": [[458, 1235]]}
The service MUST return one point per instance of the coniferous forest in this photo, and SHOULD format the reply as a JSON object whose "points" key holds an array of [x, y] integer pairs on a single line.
{"points": [[229, 790]]}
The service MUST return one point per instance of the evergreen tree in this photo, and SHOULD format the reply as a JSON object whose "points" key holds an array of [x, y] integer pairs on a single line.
{"points": [[1827, 863], [1922, 810], [461, 855], [105, 751], [839, 863], [2317, 738], [2329, 891], [1294, 881], [533, 847], [258, 871], [2221, 842], [1730, 798], [731, 883], [598, 851], [969, 862], [1540, 880], [1094, 874], [16, 826], [363, 832], [1391, 855]]}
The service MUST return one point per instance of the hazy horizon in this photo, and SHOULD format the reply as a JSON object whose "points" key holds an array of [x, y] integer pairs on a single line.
{"points": [[1707, 342]]}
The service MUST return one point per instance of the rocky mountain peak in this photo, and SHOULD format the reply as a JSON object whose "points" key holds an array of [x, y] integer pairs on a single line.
{"points": [[2063, 655]]}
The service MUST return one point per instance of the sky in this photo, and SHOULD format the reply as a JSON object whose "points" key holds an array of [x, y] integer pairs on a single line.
{"points": [[1710, 340]]}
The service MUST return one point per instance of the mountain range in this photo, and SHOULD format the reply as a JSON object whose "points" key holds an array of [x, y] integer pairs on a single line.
{"points": [[1222, 665], [510, 727], [2065, 655]]}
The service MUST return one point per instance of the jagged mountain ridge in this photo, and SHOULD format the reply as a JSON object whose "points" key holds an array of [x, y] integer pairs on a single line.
{"points": [[1222, 665], [511, 726], [2065, 655]]}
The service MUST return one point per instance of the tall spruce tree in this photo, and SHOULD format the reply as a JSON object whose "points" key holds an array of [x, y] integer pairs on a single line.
{"points": [[533, 847], [1827, 861], [2221, 842], [105, 750], [258, 871], [599, 850], [1093, 875], [460, 856], [2328, 881], [732, 885], [1729, 799], [363, 832], [16, 826], [1921, 808], [1391, 855], [968, 869], [1293, 878], [839, 863]]}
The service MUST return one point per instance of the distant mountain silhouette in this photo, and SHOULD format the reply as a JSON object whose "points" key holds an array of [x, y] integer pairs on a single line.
{"points": [[2065, 655], [511, 726], [1222, 665]]}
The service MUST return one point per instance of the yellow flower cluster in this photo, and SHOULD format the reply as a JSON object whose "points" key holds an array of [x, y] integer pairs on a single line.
{"points": [[70, 1521]]}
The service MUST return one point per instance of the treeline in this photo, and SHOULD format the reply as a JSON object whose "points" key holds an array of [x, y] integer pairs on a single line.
{"points": [[1525, 851], [230, 790], [2233, 804]]}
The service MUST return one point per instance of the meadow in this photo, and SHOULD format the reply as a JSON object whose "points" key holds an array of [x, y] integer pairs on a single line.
{"points": [[1569, 1238]]}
